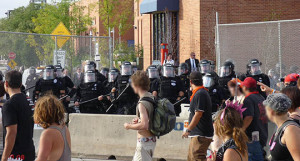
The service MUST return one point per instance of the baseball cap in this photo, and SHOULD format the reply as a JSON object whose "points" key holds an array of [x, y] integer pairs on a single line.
{"points": [[291, 77], [279, 102], [249, 82]]}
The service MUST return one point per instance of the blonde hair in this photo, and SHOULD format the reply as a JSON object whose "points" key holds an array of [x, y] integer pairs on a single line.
{"points": [[231, 125], [140, 79], [49, 110]]}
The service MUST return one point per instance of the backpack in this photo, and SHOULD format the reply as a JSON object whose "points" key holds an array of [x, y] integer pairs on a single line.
{"points": [[164, 116]]}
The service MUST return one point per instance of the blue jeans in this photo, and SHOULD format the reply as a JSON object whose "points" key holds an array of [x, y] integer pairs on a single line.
{"points": [[255, 151]]}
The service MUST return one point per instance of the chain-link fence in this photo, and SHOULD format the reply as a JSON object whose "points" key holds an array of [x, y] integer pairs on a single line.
{"points": [[41, 49], [274, 43]]}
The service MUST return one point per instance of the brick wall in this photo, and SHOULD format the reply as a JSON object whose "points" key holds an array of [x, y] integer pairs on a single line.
{"points": [[197, 21]]}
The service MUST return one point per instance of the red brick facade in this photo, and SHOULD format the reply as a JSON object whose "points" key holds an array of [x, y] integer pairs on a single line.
{"points": [[197, 19]]}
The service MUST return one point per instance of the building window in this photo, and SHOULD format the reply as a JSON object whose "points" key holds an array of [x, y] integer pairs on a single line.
{"points": [[165, 30]]}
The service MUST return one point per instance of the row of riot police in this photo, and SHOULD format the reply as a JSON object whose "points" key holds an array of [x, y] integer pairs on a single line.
{"points": [[109, 90]]}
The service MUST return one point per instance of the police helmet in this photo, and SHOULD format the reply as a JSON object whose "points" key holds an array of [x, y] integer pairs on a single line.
{"points": [[227, 69], [212, 65], [204, 66], [59, 71], [90, 65], [49, 72], [90, 76], [183, 68], [126, 68], [152, 71], [112, 75], [209, 80], [104, 71], [32, 71], [168, 70], [254, 67]]}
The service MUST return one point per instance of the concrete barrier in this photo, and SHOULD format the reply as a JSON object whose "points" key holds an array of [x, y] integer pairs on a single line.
{"points": [[94, 135]]}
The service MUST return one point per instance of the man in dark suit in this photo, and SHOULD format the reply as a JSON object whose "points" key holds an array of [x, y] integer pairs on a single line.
{"points": [[192, 62], [78, 76]]}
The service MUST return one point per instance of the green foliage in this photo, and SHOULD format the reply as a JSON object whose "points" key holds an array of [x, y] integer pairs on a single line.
{"points": [[127, 53], [20, 19], [115, 14]]}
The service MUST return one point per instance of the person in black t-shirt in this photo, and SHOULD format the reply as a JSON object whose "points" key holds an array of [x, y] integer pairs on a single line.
{"points": [[200, 127], [17, 121], [255, 119]]}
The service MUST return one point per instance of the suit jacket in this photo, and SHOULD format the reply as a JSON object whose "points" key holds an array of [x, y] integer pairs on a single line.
{"points": [[188, 61]]}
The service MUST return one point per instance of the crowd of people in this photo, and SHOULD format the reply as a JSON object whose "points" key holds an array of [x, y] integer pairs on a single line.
{"points": [[228, 113]]}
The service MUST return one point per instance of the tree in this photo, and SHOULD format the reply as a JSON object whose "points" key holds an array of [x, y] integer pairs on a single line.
{"points": [[115, 14]]}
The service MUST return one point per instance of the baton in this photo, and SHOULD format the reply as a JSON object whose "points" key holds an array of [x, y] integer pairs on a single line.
{"points": [[179, 101], [112, 103], [29, 88], [90, 100], [64, 97]]}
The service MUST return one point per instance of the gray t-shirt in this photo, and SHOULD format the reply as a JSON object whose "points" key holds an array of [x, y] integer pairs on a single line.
{"points": [[202, 102], [148, 106]]}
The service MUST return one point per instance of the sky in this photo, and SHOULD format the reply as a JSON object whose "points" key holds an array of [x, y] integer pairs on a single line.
{"points": [[10, 5]]}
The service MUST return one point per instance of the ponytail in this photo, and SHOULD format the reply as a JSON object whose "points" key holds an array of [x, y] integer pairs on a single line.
{"points": [[239, 138]]}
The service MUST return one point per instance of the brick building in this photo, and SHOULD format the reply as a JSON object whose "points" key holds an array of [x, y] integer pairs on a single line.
{"points": [[91, 9], [190, 24]]}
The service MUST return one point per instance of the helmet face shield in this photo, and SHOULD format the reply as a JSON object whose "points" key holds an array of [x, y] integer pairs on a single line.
{"points": [[89, 67], [153, 73], [59, 73], [126, 69], [205, 68], [255, 69], [225, 71], [32, 71], [182, 70], [104, 72], [208, 81], [168, 71], [112, 76], [48, 74], [89, 77]]}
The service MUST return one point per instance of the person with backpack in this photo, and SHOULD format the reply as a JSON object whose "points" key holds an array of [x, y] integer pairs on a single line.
{"points": [[200, 127], [284, 144], [146, 141]]}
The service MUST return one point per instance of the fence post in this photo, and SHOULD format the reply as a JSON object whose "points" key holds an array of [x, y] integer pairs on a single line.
{"points": [[217, 43], [110, 50], [55, 54], [279, 52]]}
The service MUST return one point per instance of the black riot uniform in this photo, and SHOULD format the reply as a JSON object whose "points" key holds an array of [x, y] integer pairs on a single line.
{"points": [[171, 87], [183, 72], [215, 90], [68, 86], [126, 104], [153, 75], [227, 73], [31, 81], [255, 72], [89, 89], [49, 84]]}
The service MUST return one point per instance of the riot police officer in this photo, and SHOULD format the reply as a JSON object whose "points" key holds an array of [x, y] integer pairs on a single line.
{"points": [[227, 73], [204, 66], [90, 89], [215, 90], [104, 71], [126, 103], [112, 76], [31, 80], [171, 87], [183, 73], [153, 75], [256, 73], [90, 65], [49, 84], [68, 85]]}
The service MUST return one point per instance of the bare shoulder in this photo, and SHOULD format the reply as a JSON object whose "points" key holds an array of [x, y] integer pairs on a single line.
{"points": [[292, 131], [231, 155]]}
